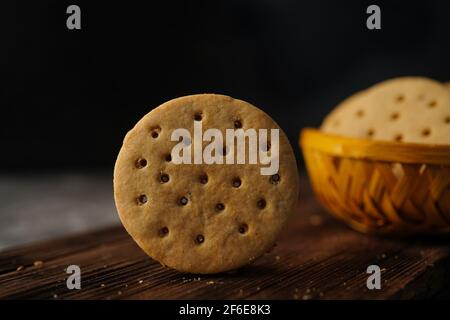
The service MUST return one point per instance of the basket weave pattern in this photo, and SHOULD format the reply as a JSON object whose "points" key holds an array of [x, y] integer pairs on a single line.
{"points": [[375, 195]]}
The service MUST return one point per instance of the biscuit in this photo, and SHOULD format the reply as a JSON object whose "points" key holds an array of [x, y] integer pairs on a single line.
{"points": [[201, 218], [407, 109]]}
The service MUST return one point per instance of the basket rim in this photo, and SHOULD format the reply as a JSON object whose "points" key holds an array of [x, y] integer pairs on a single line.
{"points": [[388, 151]]}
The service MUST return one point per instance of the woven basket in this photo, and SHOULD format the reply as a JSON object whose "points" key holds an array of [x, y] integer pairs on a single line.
{"points": [[380, 187]]}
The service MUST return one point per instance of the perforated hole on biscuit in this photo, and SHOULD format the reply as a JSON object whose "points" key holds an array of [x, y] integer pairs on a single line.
{"points": [[140, 163], [199, 239], [370, 132], [236, 183], [426, 132], [261, 203], [432, 104], [224, 151], [399, 98], [164, 178], [359, 113], [394, 116], [168, 157], [142, 199], [183, 201], [203, 178], [265, 146], [237, 124], [447, 120], [219, 207], [163, 232], [155, 132], [198, 116], [274, 179], [398, 137], [187, 141], [243, 228]]}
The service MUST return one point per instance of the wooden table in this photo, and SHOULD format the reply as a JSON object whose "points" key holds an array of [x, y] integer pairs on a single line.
{"points": [[316, 257]]}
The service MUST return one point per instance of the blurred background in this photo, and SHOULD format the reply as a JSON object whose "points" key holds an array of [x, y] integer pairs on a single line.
{"points": [[68, 97]]}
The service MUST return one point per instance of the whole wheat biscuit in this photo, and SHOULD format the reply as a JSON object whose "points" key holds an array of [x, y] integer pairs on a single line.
{"points": [[201, 218], [408, 109]]}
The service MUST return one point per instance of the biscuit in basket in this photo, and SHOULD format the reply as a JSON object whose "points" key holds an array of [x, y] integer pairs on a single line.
{"points": [[201, 218], [408, 109], [381, 161]]}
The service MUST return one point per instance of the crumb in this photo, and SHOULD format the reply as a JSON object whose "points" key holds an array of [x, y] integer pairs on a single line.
{"points": [[141, 281], [20, 268], [321, 294], [258, 288], [55, 296], [306, 297], [38, 263], [126, 285], [102, 285], [308, 290], [383, 256], [277, 258], [296, 297], [119, 292], [210, 282]]}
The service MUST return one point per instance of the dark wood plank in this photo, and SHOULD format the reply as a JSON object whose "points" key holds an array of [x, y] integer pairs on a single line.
{"points": [[316, 258]]}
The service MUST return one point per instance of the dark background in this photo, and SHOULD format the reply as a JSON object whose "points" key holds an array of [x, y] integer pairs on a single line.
{"points": [[67, 98]]}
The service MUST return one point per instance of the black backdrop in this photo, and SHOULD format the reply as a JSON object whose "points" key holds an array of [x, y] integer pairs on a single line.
{"points": [[68, 97]]}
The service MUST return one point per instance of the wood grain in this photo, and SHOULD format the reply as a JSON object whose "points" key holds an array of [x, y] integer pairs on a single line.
{"points": [[316, 258]]}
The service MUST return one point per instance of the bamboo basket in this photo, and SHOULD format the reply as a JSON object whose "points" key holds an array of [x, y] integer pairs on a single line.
{"points": [[380, 187]]}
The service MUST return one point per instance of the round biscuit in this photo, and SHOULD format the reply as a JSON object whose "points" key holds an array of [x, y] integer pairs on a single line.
{"points": [[201, 218], [406, 109]]}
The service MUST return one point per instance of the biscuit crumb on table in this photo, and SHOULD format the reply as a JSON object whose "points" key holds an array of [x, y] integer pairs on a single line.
{"points": [[302, 266], [38, 263]]}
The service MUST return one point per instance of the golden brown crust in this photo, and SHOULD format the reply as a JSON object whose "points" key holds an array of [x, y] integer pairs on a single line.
{"points": [[224, 247], [407, 109]]}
